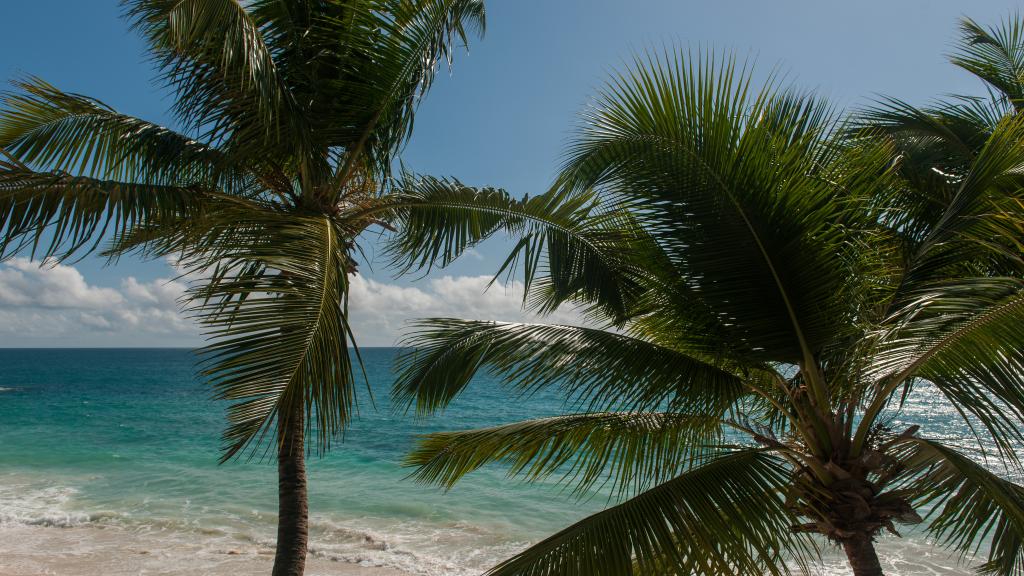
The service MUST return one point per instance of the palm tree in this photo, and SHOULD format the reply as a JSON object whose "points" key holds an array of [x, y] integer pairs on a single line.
{"points": [[292, 113], [942, 139], [939, 143], [762, 305]]}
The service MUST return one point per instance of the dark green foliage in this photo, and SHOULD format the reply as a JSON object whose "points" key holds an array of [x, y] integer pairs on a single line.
{"points": [[781, 280], [722, 518]]}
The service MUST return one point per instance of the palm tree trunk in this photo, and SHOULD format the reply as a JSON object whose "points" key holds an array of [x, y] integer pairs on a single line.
{"points": [[293, 509], [861, 553]]}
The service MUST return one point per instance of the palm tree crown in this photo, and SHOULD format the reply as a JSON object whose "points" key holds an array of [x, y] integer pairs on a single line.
{"points": [[768, 297], [297, 110], [292, 114], [938, 143]]}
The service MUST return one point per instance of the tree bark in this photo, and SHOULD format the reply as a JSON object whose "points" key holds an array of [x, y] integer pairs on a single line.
{"points": [[861, 553], [292, 506]]}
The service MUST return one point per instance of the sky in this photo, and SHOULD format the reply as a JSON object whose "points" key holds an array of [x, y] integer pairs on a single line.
{"points": [[500, 118]]}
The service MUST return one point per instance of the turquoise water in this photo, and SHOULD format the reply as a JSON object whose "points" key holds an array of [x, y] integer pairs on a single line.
{"points": [[129, 438]]}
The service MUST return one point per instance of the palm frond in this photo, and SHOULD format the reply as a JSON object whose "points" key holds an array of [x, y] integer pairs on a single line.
{"points": [[54, 214], [206, 227], [994, 172], [359, 69], [724, 517], [226, 81], [1001, 230], [969, 504], [437, 219], [274, 306], [412, 38], [627, 451], [568, 249], [964, 337], [740, 189], [995, 55], [944, 137], [43, 126], [598, 369]]}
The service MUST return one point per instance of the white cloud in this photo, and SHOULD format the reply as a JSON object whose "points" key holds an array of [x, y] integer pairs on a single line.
{"points": [[380, 312], [474, 254], [54, 305], [94, 321], [51, 286], [163, 291]]}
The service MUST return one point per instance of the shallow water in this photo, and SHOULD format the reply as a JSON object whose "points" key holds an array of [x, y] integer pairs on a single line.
{"points": [[122, 446]]}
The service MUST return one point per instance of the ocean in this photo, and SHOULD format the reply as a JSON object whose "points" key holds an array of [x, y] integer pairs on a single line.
{"points": [[114, 451]]}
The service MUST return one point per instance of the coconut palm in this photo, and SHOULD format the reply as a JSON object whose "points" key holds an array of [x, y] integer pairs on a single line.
{"points": [[760, 307], [941, 139], [938, 143], [291, 114]]}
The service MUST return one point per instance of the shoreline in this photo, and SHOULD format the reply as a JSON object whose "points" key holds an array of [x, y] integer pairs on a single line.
{"points": [[114, 551], [85, 550]]}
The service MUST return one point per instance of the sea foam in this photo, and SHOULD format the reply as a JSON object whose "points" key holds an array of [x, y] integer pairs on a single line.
{"points": [[32, 506], [417, 548]]}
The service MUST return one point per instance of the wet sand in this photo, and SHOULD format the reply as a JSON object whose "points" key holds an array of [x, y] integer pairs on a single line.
{"points": [[87, 551], [115, 551]]}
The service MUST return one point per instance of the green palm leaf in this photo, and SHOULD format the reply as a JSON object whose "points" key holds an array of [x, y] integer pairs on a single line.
{"points": [[628, 451], [962, 337], [936, 143], [715, 188], [374, 59], [275, 308], [573, 249], [969, 504], [724, 517], [43, 126], [54, 214], [214, 56], [599, 369], [996, 55], [996, 168], [414, 38], [960, 159]]}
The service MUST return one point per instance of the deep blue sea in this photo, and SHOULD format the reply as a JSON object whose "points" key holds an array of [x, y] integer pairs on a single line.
{"points": [[128, 439]]}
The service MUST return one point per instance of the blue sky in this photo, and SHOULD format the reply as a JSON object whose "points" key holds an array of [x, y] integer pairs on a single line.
{"points": [[501, 118]]}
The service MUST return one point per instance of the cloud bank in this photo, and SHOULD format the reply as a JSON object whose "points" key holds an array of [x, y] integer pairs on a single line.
{"points": [[380, 312], [55, 305]]}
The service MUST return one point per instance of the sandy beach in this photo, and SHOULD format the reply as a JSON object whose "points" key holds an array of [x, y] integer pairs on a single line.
{"points": [[114, 551], [87, 550]]}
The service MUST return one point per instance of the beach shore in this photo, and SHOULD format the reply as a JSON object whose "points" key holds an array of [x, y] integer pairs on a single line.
{"points": [[113, 471], [88, 550], [115, 551]]}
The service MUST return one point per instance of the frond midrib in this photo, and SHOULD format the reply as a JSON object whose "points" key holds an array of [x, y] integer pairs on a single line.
{"points": [[323, 309], [990, 315]]}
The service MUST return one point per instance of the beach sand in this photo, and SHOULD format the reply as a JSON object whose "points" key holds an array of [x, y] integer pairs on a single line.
{"points": [[111, 551], [115, 551]]}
